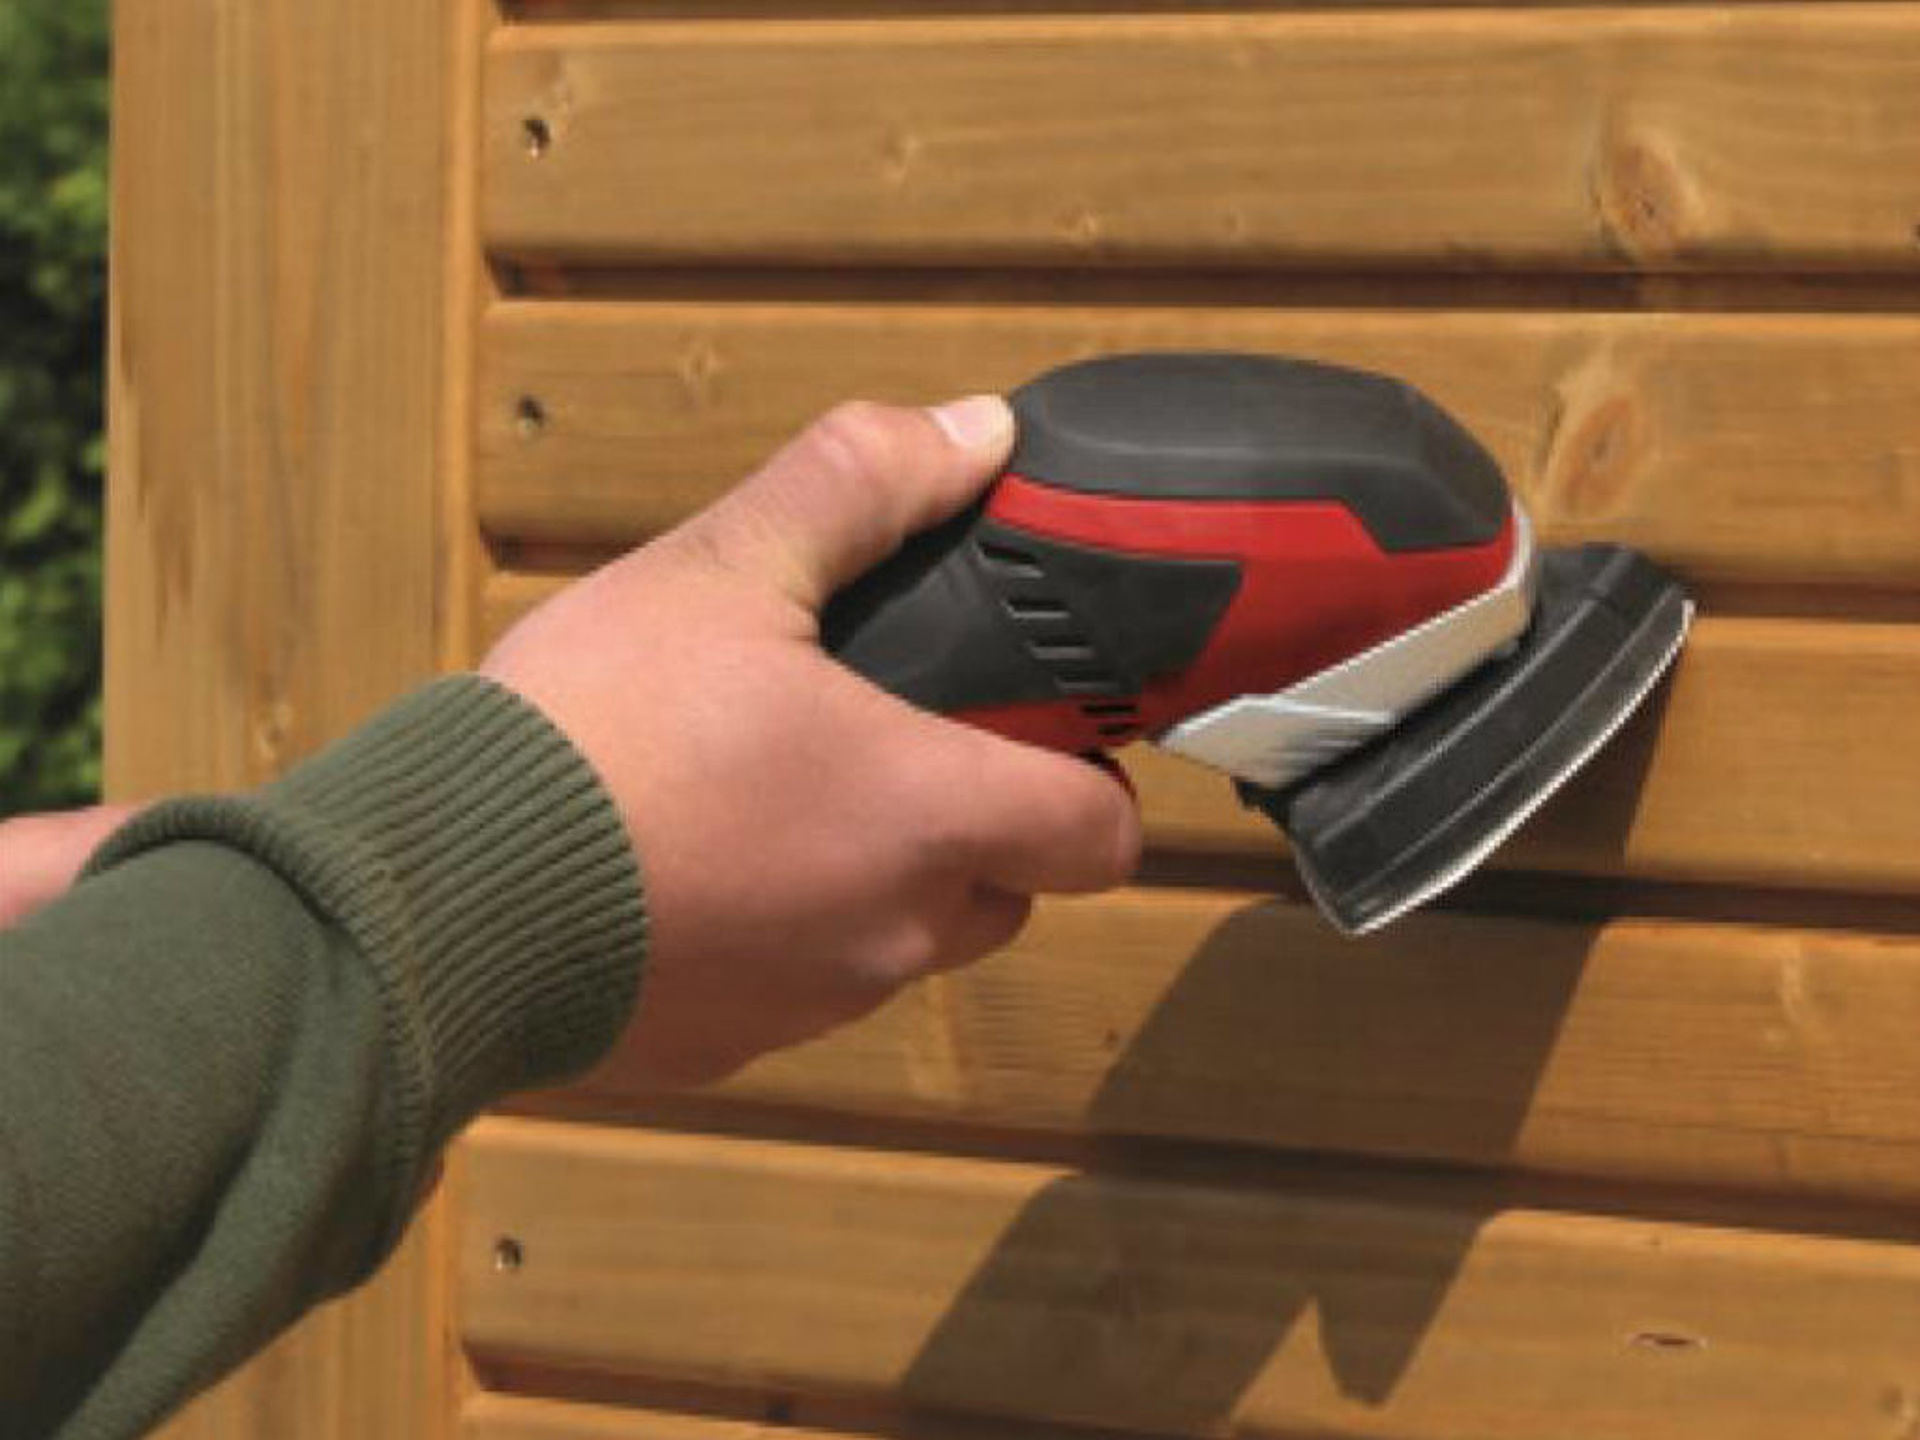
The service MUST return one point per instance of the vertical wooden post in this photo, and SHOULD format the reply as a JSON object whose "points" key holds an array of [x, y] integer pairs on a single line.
{"points": [[281, 378]]}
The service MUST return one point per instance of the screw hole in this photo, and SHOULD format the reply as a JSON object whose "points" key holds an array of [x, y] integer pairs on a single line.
{"points": [[529, 416], [1666, 1340], [508, 1256], [537, 135]]}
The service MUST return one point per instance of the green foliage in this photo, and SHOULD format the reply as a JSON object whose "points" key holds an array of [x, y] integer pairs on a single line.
{"points": [[53, 226]]}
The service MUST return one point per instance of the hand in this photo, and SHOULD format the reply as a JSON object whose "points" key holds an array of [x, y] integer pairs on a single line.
{"points": [[40, 855], [808, 843]]}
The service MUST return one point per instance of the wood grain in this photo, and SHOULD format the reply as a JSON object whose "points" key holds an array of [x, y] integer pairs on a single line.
{"points": [[1784, 137], [534, 12], [490, 1416], [1764, 762], [1173, 1307], [1741, 770], [1754, 449], [1687, 1053], [273, 505], [277, 390], [502, 1417]]}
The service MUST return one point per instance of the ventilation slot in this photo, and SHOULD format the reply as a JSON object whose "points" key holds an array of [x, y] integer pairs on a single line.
{"points": [[1007, 559], [1037, 610], [1085, 679], [1063, 651], [1118, 719]]}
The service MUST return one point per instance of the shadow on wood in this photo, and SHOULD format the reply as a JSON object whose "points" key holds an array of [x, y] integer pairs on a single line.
{"points": [[1165, 1298]]}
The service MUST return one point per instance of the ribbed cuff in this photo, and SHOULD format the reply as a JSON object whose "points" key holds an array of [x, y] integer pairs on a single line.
{"points": [[472, 856]]}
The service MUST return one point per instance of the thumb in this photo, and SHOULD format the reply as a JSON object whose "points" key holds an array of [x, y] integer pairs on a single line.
{"points": [[845, 493], [1032, 821]]}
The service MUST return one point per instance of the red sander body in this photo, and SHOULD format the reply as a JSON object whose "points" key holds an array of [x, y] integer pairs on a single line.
{"points": [[1307, 577]]}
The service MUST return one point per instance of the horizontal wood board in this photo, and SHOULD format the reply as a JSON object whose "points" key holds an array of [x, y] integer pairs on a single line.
{"points": [[1742, 770], [1677, 1052], [1036, 1291], [505, 1416], [534, 12], [1776, 450], [500, 1417], [1785, 137]]}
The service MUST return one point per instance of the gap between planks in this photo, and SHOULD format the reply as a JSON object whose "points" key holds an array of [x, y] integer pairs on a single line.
{"points": [[1197, 287], [610, 1407]]}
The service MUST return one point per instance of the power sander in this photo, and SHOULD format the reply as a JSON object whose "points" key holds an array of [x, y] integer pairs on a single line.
{"points": [[1308, 577]]}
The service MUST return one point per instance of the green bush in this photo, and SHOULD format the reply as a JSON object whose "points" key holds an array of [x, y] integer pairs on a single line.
{"points": [[53, 225]]}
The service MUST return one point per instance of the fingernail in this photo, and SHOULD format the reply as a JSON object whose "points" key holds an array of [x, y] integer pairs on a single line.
{"points": [[979, 422]]}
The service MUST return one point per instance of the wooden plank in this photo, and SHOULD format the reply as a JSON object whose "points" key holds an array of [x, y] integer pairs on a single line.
{"points": [[535, 12], [503, 1417], [1686, 1053], [500, 1417], [1179, 1308], [1752, 449], [516, 1417], [277, 403], [273, 465], [1783, 137], [1743, 771], [1764, 763]]}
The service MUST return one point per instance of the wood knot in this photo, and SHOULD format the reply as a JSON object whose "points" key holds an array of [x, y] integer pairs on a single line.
{"points": [[272, 731], [1646, 207], [1591, 470], [900, 153], [1083, 227], [1901, 1405], [698, 367]]}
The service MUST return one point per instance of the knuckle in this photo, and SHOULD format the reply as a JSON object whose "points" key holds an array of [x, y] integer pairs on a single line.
{"points": [[1009, 917], [910, 952]]}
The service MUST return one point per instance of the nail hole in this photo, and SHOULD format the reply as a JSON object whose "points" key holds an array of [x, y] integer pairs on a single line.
{"points": [[529, 416], [508, 1256], [1007, 558], [1666, 1340], [780, 1410], [1091, 673], [536, 134]]}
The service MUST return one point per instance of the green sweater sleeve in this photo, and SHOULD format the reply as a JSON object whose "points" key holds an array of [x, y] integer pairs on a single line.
{"points": [[229, 1056]]}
